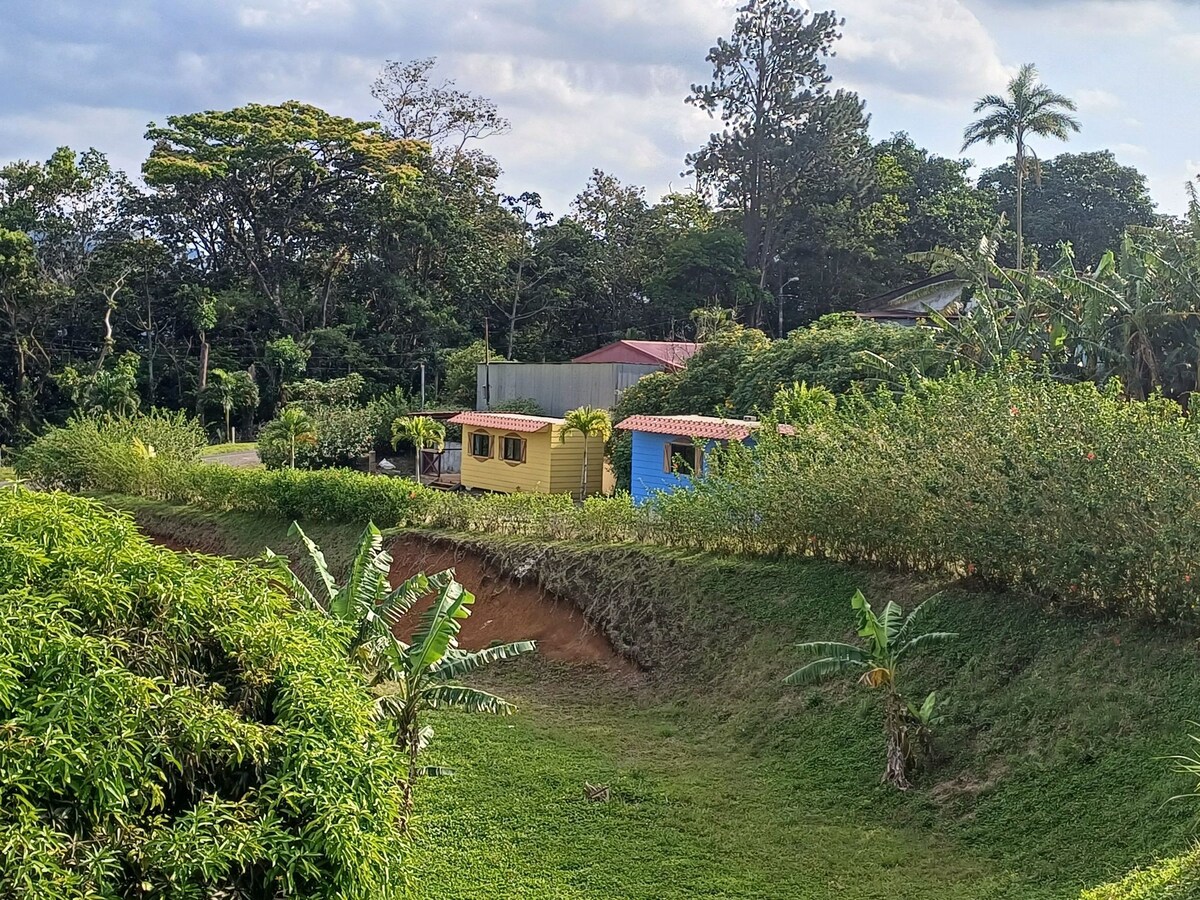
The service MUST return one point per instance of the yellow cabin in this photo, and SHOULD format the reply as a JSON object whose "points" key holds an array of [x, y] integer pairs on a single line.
{"points": [[507, 453]]}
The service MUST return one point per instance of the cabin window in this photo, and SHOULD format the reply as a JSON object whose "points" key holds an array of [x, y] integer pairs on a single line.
{"points": [[513, 450], [682, 458], [481, 444]]}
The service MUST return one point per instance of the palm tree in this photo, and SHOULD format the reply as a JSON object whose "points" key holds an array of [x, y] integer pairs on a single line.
{"points": [[421, 432], [889, 639], [589, 422], [406, 679], [293, 426], [1030, 108]]}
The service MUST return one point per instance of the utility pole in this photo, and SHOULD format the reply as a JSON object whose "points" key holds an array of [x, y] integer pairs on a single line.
{"points": [[487, 366]]}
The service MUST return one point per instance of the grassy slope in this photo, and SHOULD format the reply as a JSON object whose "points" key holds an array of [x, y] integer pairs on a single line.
{"points": [[729, 785]]}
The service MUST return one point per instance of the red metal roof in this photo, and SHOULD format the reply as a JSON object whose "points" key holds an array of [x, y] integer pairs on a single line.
{"points": [[697, 427], [670, 354], [505, 421]]}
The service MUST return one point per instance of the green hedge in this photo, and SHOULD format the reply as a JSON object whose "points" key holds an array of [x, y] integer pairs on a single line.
{"points": [[175, 727], [1177, 878], [1065, 490]]}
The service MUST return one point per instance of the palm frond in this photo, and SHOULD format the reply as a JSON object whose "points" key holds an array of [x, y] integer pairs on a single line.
{"points": [[318, 560], [441, 622], [922, 640], [456, 696], [459, 662], [821, 669]]}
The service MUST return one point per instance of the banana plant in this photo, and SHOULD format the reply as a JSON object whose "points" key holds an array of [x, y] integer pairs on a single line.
{"points": [[888, 640], [407, 679]]}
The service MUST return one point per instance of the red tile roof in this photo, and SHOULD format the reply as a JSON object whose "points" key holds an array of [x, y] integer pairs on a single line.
{"points": [[505, 421], [670, 354], [697, 427]]}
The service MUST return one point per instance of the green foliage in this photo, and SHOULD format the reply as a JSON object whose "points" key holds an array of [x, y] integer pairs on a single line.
{"points": [[230, 392], [407, 679], [112, 390], [293, 428], [173, 727], [1087, 200], [70, 457], [344, 437], [344, 391], [386, 409], [888, 639], [1177, 878], [459, 384]]}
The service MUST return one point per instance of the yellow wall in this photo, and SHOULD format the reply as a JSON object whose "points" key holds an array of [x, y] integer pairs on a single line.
{"points": [[551, 466], [495, 474], [567, 466]]}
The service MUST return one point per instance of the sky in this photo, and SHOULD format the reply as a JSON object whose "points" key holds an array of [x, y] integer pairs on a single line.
{"points": [[596, 84]]}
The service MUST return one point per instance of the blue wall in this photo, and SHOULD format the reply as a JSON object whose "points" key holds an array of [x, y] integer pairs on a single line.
{"points": [[646, 472]]}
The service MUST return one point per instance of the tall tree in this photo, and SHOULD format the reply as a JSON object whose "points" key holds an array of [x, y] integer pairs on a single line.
{"points": [[1029, 109], [1084, 199], [788, 142], [275, 192], [441, 115]]}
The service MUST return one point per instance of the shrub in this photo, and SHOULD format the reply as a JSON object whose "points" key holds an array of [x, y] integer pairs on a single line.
{"points": [[175, 727], [71, 456], [309, 393], [1177, 878], [344, 436]]}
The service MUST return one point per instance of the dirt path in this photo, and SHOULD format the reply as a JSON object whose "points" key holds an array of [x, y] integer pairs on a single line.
{"points": [[507, 610], [239, 459]]}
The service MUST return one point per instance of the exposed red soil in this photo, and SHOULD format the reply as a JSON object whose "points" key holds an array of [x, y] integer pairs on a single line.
{"points": [[505, 610]]}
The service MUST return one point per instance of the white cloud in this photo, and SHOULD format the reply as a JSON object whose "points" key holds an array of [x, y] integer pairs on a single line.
{"points": [[930, 51], [1097, 100]]}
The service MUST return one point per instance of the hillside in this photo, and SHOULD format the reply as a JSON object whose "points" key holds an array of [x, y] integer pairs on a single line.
{"points": [[728, 784]]}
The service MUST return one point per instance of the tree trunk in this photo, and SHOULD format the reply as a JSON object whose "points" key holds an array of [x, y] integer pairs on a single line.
{"points": [[292, 450], [412, 736], [1020, 202], [896, 771], [228, 433], [583, 484], [203, 360]]}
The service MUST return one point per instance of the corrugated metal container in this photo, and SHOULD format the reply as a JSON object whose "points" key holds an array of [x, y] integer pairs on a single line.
{"points": [[558, 387]]}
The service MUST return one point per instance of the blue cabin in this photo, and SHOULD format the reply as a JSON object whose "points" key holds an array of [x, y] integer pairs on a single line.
{"points": [[669, 451]]}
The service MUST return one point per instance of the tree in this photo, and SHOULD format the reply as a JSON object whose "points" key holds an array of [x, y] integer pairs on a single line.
{"points": [[1030, 108], [440, 115], [1084, 199], [421, 432], [292, 427], [276, 192], [588, 422], [889, 639], [407, 678], [230, 391], [789, 145]]}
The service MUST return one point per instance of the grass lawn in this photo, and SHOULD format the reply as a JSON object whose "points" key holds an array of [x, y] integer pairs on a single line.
{"points": [[690, 816], [1053, 773]]}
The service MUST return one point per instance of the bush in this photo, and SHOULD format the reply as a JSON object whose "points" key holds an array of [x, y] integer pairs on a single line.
{"points": [[1067, 491], [70, 456], [1172, 879], [175, 727], [345, 434], [310, 393]]}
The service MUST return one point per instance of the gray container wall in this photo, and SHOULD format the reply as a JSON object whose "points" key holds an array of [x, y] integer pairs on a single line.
{"points": [[559, 387]]}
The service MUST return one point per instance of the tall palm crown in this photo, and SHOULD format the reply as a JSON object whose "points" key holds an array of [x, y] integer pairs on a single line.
{"points": [[589, 422], [421, 432], [1030, 108]]}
